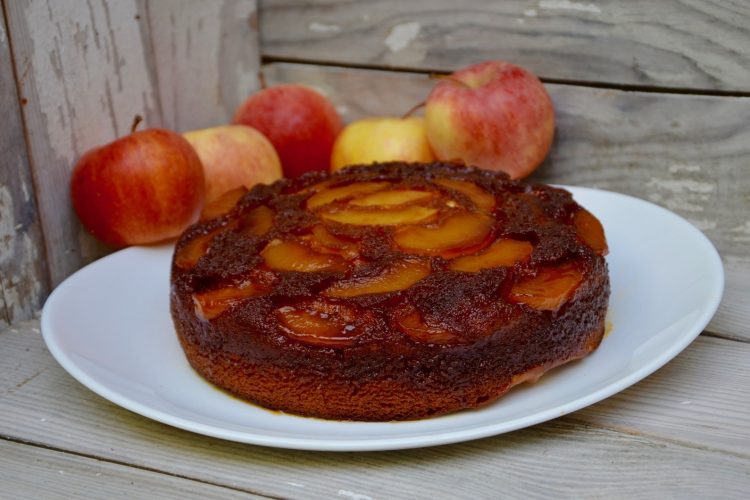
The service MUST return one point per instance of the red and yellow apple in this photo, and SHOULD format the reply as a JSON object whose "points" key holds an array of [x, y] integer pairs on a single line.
{"points": [[494, 115], [234, 156], [143, 188], [300, 123], [381, 139]]}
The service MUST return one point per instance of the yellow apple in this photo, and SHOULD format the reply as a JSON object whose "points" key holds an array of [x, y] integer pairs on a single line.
{"points": [[381, 139], [234, 156]]}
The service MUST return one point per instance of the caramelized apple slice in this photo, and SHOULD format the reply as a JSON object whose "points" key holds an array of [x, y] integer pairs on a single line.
{"points": [[324, 242], [391, 197], [460, 232], [387, 217], [549, 289], [292, 256], [223, 203], [590, 230], [413, 325], [481, 198], [320, 323], [317, 187], [501, 253], [188, 256], [328, 196], [398, 276], [210, 304], [257, 221]]}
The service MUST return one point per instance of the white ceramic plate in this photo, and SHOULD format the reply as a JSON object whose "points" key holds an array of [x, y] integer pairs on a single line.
{"points": [[109, 326]]}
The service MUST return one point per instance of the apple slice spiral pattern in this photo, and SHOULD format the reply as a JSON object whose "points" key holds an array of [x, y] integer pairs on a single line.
{"points": [[377, 266]]}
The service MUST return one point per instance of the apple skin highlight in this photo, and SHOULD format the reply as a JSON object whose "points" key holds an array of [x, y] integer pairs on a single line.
{"points": [[493, 115], [144, 188]]}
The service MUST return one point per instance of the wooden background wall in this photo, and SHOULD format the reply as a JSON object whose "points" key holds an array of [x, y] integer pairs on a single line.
{"points": [[652, 98], [79, 72]]}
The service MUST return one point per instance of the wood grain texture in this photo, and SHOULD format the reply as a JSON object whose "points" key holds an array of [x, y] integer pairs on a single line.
{"points": [[84, 68], [686, 153], [697, 44], [87, 68], [667, 449], [702, 397], [206, 58], [23, 274], [32, 472]]}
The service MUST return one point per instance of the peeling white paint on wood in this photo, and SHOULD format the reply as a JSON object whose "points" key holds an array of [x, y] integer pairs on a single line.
{"points": [[741, 233], [353, 495], [85, 75], [88, 67], [401, 35], [681, 186], [684, 168], [317, 27], [23, 279], [568, 5]]}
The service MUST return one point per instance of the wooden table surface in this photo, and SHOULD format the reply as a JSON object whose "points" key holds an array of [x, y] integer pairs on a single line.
{"points": [[652, 99]]}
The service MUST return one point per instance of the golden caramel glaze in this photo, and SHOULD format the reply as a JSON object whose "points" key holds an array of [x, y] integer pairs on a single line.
{"points": [[389, 292]]}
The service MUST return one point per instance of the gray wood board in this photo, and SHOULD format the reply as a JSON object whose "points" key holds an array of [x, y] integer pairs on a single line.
{"points": [[23, 274], [686, 153], [34, 472], [675, 43], [640, 443], [87, 68], [206, 57]]}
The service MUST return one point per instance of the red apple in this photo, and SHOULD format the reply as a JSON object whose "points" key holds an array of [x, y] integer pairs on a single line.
{"points": [[234, 156], [300, 123], [143, 188], [493, 115]]}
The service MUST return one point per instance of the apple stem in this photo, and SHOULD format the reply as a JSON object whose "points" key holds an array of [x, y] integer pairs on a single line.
{"points": [[136, 121], [438, 76], [413, 109], [262, 80]]}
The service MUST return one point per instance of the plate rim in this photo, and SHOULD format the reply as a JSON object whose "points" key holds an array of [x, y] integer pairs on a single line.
{"points": [[397, 442]]}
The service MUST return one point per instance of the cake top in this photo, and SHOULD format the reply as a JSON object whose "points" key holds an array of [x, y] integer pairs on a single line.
{"points": [[443, 254]]}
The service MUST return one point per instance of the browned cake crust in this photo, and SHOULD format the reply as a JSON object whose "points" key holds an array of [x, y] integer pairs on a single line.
{"points": [[404, 297]]}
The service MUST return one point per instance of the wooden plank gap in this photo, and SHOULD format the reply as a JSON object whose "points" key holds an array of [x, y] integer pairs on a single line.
{"points": [[123, 463], [270, 59], [725, 336]]}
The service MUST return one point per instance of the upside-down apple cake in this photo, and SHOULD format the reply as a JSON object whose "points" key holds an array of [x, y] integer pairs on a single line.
{"points": [[389, 292]]}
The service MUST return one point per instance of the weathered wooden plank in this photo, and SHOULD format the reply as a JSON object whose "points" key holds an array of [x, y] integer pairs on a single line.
{"points": [[677, 456], [84, 69], [33, 472], [697, 44], [733, 317], [687, 153], [23, 274], [207, 59], [703, 393]]}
